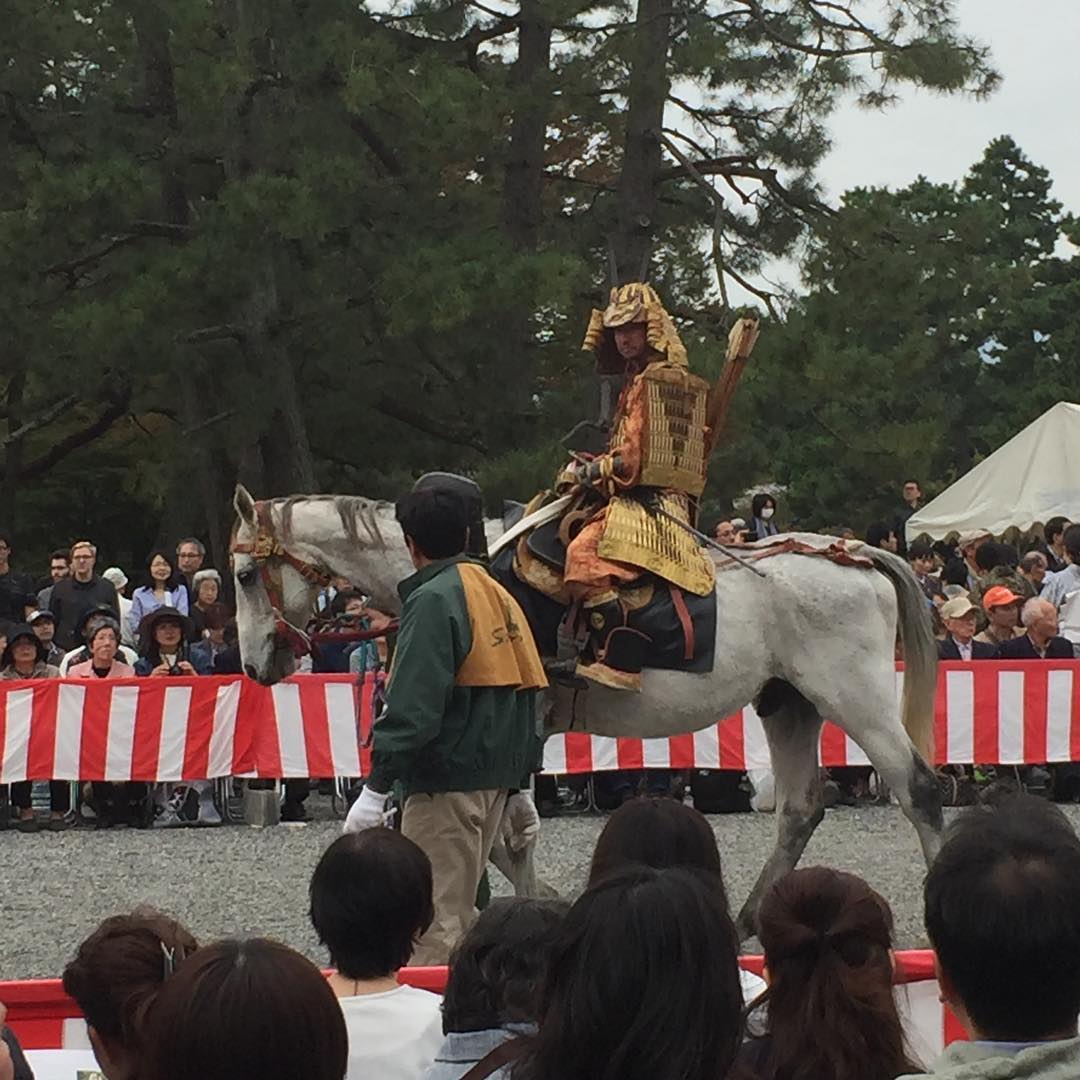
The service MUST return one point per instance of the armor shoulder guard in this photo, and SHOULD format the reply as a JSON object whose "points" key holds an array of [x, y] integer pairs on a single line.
{"points": [[673, 444]]}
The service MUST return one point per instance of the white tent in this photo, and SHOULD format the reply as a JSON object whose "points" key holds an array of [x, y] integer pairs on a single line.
{"points": [[1033, 477]]}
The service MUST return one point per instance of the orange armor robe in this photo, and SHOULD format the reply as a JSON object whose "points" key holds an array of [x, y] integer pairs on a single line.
{"points": [[587, 573]]}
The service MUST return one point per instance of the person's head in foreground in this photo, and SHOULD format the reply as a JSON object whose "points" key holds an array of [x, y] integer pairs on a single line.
{"points": [[827, 939], [499, 966], [643, 983], [435, 524], [1002, 908], [245, 1010], [371, 900], [659, 833], [116, 976]]}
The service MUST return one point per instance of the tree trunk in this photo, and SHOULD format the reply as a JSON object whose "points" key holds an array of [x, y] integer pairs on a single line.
{"points": [[530, 83], [152, 35], [10, 474], [285, 443], [646, 94]]}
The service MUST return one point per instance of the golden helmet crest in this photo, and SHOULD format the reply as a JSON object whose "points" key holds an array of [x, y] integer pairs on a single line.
{"points": [[633, 302]]}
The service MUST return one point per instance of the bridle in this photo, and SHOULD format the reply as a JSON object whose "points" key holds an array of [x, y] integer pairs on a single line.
{"points": [[269, 553]]}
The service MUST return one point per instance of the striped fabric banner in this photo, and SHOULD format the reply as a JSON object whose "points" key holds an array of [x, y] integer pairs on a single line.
{"points": [[987, 712]]}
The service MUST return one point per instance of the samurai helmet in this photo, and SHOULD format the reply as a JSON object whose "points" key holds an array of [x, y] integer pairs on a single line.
{"points": [[631, 303]]}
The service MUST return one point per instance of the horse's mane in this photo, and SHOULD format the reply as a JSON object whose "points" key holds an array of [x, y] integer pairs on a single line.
{"points": [[357, 515]]}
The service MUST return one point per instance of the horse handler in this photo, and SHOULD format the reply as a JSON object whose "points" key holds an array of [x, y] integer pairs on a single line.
{"points": [[459, 731]]}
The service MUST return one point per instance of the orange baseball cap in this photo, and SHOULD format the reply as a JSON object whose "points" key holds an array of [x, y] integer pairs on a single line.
{"points": [[999, 596]]}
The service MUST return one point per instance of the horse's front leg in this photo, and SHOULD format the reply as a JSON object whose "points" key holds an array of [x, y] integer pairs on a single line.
{"points": [[519, 868], [792, 727]]}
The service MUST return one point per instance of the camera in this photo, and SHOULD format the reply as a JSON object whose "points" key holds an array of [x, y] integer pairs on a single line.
{"points": [[175, 670]]}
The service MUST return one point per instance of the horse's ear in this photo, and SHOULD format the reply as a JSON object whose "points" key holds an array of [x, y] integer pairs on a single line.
{"points": [[244, 504]]}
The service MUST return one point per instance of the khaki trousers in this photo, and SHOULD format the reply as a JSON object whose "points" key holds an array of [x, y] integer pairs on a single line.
{"points": [[455, 829]]}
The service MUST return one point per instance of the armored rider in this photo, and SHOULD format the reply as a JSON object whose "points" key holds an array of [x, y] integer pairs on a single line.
{"points": [[656, 459]]}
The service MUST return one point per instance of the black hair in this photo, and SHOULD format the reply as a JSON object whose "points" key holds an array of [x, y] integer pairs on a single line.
{"points": [[759, 502], [993, 554], [1054, 528], [827, 938], [619, 1004], [119, 969], [174, 574], [498, 968], [245, 1010], [342, 598], [919, 549], [1002, 908], [61, 553], [1072, 542], [944, 550], [149, 649], [878, 533], [371, 899], [436, 520], [955, 572], [5, 537], [659, 833]]}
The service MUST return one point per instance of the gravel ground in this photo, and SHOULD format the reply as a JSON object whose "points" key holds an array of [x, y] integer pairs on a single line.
{"points": [[237, 880]]}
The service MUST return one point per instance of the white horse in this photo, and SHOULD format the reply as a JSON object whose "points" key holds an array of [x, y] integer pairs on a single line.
{"points": [[809, 639]]}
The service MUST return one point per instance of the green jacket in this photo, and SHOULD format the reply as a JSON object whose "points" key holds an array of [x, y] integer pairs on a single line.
{"points": [[461, 700]]}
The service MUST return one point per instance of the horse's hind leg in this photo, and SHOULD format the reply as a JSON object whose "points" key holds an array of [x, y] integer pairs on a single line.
{"points": [[792, 726], [872, 723]]}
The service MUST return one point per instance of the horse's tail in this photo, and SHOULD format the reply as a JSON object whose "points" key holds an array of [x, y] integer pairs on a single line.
{"points": [[920, 650]]}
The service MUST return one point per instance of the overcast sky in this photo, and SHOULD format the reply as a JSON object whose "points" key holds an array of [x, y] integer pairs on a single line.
{"points": [[1034, 46]]}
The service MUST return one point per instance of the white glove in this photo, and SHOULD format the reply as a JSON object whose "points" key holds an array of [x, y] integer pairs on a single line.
{"points": [[520, 821], [368, 812]]}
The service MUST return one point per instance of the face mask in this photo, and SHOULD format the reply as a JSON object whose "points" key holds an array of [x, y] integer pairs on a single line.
{"points": [[767, 512]]}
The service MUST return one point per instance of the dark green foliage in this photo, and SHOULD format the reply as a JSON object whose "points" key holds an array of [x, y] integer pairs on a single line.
{"points": [[286, 242]]}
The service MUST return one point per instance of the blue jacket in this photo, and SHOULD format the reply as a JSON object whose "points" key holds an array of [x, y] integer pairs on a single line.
{"points": [[461, 1050]]}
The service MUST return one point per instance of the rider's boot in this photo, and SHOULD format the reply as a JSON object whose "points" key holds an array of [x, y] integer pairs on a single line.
{"points": [[618, 651]]}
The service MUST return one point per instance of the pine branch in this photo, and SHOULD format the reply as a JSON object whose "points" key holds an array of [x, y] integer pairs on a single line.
{"points": [[77, 439], [433, 426], [46, 418]]}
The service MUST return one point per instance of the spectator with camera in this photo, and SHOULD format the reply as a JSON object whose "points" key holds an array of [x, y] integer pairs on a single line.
{"points": [[166, 653], [164, 648]]}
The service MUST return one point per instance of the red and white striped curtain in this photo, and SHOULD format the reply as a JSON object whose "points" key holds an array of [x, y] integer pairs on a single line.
{"points": [[318, 725]]}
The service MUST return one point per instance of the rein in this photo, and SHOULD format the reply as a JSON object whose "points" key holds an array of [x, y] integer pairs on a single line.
{"points": [[269, 553]]}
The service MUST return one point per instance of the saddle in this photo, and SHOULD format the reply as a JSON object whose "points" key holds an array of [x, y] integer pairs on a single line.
{"points": [[679, 628]]}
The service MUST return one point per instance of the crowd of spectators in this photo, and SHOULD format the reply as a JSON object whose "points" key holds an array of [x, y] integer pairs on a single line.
{"points": [[78, 624], [637, 979]]}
